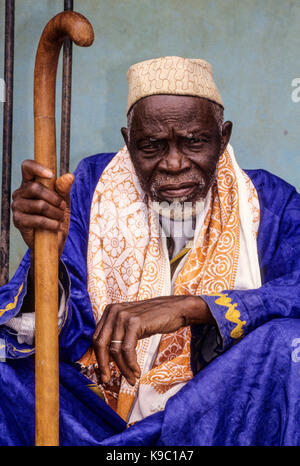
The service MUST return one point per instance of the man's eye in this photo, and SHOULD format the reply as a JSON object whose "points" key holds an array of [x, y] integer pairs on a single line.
{"points": [[196, 140], [150, 146]]}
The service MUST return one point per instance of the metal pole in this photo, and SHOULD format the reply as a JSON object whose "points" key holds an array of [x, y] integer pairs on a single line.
{"points": [[66, 100], [7, 140]]}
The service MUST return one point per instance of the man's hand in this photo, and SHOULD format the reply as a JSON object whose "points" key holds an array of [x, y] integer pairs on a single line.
{"points": [[35, 206], [122, 325]]}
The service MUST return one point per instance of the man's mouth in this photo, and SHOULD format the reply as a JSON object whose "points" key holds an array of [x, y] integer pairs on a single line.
{"points": [[177, 190]]}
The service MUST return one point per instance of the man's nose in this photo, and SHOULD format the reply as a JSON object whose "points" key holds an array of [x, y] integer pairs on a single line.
{"points": [[174, 161]]}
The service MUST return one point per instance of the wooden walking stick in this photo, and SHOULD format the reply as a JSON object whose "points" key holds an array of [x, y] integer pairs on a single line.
{"points": [[80, 31]]}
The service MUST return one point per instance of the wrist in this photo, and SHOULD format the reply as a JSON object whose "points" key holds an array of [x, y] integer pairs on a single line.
{"points": [[198, 312]]}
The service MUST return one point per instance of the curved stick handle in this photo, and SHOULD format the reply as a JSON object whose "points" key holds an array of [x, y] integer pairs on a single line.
{"points": [[80, 31]]}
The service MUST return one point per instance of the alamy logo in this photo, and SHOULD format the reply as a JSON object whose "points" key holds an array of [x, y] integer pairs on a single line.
{"points": [[2, 90], [295, 96], [296, 352], [2, 350]]}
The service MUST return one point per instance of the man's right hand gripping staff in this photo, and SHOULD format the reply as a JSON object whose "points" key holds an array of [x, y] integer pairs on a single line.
{"points": [[35, 206]]}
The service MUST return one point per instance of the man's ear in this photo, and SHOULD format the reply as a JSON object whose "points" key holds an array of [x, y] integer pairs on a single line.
{"points": [[226, 133], [124, 132]]}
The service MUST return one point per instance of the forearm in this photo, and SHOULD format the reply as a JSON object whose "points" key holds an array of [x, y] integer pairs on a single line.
{"points": [[198, 312]]}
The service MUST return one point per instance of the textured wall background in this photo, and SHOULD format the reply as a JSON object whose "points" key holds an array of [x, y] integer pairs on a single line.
{"points": [[253, 45]]}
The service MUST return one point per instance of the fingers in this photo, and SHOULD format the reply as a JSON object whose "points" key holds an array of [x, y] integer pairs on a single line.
{"points": [[35, 206], [116, 336], [38, 207], [63, 186], [32, 169], [123, 324], [124, 353], [127, 351], [35, 222], [101, 345], [35, 190]]}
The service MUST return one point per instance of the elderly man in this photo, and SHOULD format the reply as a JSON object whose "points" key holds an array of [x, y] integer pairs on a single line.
{"points": [[171, 256]]}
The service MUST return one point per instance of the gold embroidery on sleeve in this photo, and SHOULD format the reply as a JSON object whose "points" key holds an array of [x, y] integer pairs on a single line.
{"points": [[233, 314], [12, 305], [27, 350], [97, 390]]}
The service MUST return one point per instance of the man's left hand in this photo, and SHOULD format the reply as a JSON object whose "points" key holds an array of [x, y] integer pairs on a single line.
{"points": [[123, 324]]}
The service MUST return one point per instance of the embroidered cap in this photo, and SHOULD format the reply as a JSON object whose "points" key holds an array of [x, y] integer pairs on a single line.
{"points": [[172, 75]]}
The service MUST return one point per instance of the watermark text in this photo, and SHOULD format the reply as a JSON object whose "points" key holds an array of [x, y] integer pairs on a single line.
{"points": [[2, 350], [296, 351], [295, 96], [2, 90]]}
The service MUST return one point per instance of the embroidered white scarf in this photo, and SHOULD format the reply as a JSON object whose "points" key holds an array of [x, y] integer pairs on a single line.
{"points": [[127, 261]]}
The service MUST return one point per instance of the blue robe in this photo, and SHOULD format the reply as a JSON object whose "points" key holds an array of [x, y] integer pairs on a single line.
{"points": [[248, 395]]}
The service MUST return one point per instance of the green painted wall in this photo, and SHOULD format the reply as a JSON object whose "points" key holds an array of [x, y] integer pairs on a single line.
{"points": [[253, 45]]}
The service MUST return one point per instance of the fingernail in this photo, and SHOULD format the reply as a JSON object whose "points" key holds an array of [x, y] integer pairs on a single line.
{"points": [[48, 173], [63, 205], [104, 378]]}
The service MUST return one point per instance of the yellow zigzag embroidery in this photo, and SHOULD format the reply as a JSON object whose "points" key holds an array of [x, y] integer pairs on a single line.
{"points": [[96, 389], [12, 305], [233, 314], [28, 350], [16, 349]]}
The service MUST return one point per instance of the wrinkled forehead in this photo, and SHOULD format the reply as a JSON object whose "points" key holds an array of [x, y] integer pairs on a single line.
{"points": [[160, 110]]}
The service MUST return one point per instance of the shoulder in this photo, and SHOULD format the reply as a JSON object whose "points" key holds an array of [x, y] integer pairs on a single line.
{"points": [[88, 172], [265, 180], [274, 193], [279, 214], [87, 175], [91, 168]]}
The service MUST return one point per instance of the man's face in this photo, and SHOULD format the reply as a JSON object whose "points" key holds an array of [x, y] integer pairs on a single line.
{"points": [[175, 144]]}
